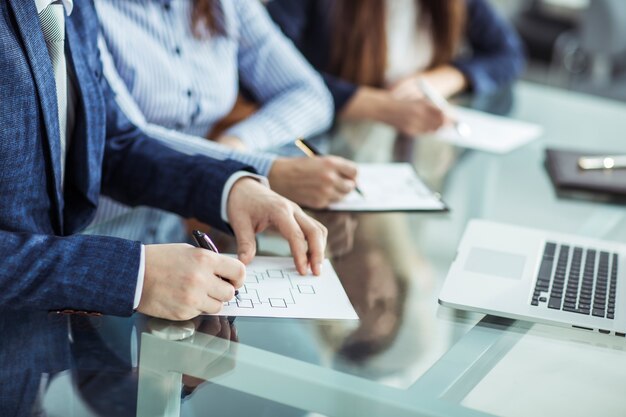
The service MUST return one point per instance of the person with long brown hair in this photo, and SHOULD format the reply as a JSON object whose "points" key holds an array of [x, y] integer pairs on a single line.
{"points": [[177, 67], [372, 52]]}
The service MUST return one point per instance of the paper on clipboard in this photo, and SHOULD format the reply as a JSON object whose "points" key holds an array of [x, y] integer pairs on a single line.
{"points": [[389, 187]]}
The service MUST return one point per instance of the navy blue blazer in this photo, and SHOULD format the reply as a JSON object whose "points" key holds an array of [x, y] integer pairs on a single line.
{"points": [[496, 57], [45, 265]]}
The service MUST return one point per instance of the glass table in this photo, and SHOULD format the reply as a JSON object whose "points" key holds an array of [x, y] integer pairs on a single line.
{"points": [[406, 356]]}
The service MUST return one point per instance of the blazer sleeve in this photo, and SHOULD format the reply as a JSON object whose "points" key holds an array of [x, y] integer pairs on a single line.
{"points": [[99, 273], [497, 56], [293, 17], [138, 170], [46, 272]]}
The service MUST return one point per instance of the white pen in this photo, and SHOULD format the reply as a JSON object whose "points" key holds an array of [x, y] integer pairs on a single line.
{"points": [[602, 162], [463, 129]]}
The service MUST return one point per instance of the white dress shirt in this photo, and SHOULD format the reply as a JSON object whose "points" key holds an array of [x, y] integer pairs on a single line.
{"points": [[188, 84]]}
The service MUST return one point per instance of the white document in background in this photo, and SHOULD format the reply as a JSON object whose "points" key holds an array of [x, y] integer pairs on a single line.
{"points": [[389, 187], [273, 288], [489, 133]]}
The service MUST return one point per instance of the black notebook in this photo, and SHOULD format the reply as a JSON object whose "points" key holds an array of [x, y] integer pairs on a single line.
{"points": [[562, 165]]}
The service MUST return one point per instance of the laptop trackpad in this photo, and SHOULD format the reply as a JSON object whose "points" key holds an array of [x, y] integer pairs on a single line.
{"points": [[495, 263]]}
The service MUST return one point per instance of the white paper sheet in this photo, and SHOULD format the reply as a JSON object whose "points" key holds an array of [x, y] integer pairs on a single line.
{"points": [[273, 288], [389, 187], [489, 133]]}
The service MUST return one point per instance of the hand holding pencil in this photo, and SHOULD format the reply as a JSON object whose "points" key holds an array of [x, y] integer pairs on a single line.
{"points": [[313, 182], [311, 151]]}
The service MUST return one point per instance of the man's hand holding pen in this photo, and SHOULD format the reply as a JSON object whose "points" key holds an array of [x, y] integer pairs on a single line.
{"points": [[182, 282]]}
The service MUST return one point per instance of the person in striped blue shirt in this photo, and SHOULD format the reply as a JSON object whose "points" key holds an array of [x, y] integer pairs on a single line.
{"points": [[177, 66]]}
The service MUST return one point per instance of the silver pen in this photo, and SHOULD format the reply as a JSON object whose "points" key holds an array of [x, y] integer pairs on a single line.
{"points": [[462, 128], [602, 162]]}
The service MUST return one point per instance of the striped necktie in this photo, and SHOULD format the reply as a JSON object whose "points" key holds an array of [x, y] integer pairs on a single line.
{"points": [[52, 20]]}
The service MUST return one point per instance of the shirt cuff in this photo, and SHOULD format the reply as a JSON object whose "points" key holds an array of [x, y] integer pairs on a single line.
{"points": [[229, 185], [140, 277]]}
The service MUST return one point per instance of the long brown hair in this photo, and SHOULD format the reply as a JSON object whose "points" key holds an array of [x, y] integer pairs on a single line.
{"points": [[359, 42], [207, 18]]}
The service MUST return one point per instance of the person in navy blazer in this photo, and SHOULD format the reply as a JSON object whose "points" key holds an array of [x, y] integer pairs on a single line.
{"points": [[46, 265], [468, 46]]}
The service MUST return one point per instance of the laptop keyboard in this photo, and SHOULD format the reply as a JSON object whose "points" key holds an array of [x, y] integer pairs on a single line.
{"points": [[577, 280]]}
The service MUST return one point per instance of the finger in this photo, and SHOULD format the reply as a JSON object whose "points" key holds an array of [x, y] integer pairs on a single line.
{"points": [[315, 235], [343, 187], [211, 305], [438, 118], [290, 229], [335, 196], [246, 243], [449, 119], [231, 269], [347, 169], [220, 289], [433, 118], [436, 123], [429, 111]]}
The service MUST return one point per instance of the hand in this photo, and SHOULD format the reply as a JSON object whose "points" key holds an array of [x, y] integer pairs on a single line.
{"points": [[313, 182], [182, 282], [414, 117], [231, 142], [407, 88], [252, 208], [411, 117], [445, 79]]}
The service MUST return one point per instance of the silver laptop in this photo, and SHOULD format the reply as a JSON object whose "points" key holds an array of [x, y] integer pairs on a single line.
{"points": [[540, 276]]}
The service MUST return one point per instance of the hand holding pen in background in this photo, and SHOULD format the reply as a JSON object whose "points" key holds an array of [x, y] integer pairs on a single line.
{"points": [[463, 129], [312, 152]]}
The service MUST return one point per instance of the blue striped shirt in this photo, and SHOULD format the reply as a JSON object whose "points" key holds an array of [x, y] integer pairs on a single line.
{"points": [[188, 84], [176, 87]]}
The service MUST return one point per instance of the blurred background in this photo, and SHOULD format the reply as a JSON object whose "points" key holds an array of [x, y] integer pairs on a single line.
{"points": [[578, 45]]}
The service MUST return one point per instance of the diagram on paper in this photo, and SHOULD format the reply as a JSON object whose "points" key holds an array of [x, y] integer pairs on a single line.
{"points": [[273, 288]]}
